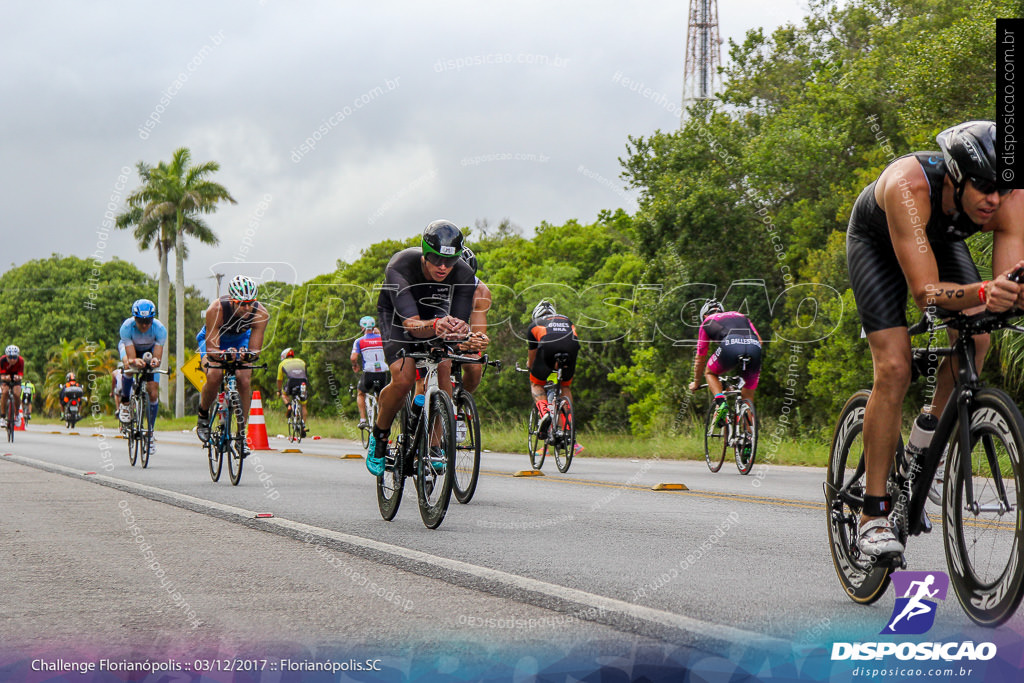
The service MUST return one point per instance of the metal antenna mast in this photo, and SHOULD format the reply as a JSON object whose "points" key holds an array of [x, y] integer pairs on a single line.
{"points": [[703, 53]]}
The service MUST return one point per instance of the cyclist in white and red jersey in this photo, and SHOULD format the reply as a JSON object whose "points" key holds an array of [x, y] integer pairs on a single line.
{"points": [[736, 336], [368, 357]]}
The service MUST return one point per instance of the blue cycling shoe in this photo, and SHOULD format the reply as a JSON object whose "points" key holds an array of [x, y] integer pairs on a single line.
{"points": [[375, 456]]}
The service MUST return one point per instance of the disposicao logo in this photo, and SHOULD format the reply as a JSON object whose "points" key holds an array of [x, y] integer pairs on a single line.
{"points": [[914, 612]]}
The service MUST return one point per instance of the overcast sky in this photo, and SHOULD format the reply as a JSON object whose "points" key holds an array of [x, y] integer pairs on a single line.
{"points": [[336, 124]]}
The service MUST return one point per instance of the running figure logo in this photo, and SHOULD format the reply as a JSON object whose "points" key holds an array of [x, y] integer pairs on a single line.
{"points": [[914, 613]]}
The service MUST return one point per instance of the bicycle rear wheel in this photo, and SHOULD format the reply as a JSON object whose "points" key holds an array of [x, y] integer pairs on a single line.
{"points": [[863, 578], [235, 438], [435, 468], [391, 484], [565, 434], [716, 440], [371, 419], [538, 449], [984, 527], [467, 448], [746, 436]]}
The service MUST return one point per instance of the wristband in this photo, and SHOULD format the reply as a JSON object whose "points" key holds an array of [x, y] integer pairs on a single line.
{"points": [[434, 325], [981, 291]]}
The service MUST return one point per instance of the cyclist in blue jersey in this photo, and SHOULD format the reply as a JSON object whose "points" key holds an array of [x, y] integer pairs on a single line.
{"points": [[236, 322], [140, 334]]}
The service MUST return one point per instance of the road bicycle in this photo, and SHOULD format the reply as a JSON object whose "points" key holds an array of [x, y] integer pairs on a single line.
{"points": [[557, 429], [12, 410], [467, 429], [227, 435], [296, 424], [424, 447], [981, 431], [139, 430], [731, 424]]}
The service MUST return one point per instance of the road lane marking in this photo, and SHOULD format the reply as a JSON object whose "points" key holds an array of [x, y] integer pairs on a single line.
{"points": [[618, 614]]}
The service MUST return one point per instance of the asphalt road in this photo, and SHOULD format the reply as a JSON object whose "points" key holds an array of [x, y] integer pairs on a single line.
{"points": [[535, 569]]}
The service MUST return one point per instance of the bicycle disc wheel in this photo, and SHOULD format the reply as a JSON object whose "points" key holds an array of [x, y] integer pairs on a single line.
{"points": [[746, 436], [863, 578], [537, 447], [214, 455], [391, 484], [716, 441], [467, 448], [435, 468], [235, 436], [983, 532], [565, 435]]}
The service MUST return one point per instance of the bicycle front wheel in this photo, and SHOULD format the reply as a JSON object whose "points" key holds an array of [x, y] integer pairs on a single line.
{"points": [[214, 455], [746, 436], [565, 435], [863, 578], [467, 448], [538, 448], [391, 484], [435, 467], [982, 510], [235, 438], [716, 440], [12, 416], [134, 434], [145, 436]]}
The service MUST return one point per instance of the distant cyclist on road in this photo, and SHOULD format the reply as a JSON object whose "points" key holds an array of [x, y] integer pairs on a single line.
{"points": [[294, 370], [69, 390], [236, 322], [428, 293], [550, 334], [368, 357], [12, 369], [908, 228], [28, 390], [141, 334], [735, 336]]}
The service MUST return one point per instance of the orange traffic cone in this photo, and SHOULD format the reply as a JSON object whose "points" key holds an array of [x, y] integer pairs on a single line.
{"points": [[256, 434], [20, 425]]}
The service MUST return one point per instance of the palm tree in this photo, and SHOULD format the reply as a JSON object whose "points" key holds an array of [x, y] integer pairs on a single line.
{"points": [[168, 208], [151, 231]]}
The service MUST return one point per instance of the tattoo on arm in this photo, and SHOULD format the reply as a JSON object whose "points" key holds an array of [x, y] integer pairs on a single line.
{"points": [[952, 293]]}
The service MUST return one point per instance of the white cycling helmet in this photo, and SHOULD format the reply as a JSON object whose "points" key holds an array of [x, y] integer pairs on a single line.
{"points": [[542, 309], [12, 351], [287, 353], [367, 322], [242, 288], [710, 306]]}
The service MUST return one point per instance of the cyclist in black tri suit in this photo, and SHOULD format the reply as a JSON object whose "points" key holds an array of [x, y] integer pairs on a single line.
{"points": [[427, 293], [908, 227]]}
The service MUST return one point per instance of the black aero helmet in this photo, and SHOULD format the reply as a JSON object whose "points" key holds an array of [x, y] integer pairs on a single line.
{"points": [[469, 257], [442, 239], [969, 150]]}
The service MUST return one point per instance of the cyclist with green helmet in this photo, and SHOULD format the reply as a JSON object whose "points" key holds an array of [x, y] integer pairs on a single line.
{"points": [[427, 294]]}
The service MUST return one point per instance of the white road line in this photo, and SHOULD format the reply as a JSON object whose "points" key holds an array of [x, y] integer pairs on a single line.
{"points": [[620, 611]]}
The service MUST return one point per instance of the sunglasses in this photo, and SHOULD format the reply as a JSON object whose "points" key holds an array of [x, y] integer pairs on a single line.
{"points": [[438, 260], [988, 187], [143, 321], [244, 303]]}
